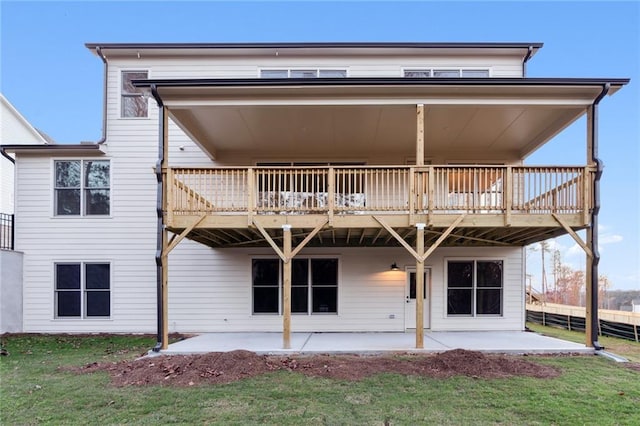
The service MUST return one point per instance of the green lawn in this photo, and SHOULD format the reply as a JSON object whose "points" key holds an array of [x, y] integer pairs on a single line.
{"points": [[591, 390], [625, 348]]}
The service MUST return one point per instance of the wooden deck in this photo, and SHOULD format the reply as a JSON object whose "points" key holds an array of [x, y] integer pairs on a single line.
{"points": [[356, 206]]}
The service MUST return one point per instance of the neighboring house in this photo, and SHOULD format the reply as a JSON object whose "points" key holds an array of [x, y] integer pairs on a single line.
{"points": [[305, 187], [14, 130]]}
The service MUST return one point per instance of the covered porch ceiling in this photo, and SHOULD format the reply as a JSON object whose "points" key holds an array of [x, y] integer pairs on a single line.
{"points": [[332, 118]]}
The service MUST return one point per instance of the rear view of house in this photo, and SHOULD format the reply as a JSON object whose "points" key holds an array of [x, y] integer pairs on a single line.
{"points": [[305, 187]]}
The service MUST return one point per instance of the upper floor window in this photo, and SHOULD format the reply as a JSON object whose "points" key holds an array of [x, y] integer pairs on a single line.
{"points": [[134, 99], [304, 73], [446, 73], [82, 187]]}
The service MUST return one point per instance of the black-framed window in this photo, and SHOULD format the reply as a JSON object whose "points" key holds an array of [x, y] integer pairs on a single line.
{"points": [[82, 187], [314, 286], [134, 99], [82, 290], [474, 287]]}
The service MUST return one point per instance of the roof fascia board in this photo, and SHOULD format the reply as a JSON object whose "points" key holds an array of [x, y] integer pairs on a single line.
{"points": [[390, 81], [298, 45], [52, 149]]}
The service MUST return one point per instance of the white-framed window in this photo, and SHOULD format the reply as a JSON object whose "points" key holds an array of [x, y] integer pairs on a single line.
{"points": [[303, 73], [134, 100], [475, 287], [314, 286], [82, 187], [445, 73], [82, 290]]}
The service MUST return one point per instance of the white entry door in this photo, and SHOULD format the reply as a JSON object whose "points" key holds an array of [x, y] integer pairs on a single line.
{"points": [[410, 299]]}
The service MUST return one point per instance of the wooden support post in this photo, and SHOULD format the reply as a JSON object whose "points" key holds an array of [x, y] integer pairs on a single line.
{"points": [[420, 135], [420, 286], [507, 190], [251, 203], [331, 194], [286, 314]]}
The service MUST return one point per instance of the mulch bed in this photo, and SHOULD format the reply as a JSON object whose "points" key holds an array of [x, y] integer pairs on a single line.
{"points": [[226, 367]]}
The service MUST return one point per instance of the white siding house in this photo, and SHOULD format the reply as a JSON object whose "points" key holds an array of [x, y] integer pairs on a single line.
{"points": [[354, 151], [14, 130]]}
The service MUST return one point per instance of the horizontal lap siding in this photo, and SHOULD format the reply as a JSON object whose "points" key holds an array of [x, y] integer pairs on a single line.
{"points": [[210, 290], [206, 286]]}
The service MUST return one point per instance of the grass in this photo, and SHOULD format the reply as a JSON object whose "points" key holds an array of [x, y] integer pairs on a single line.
{"points": [[625, 348], [591, 390]]}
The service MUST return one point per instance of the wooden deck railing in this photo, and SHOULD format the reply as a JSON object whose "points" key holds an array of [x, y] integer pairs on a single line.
{"points": [[376, 189]]}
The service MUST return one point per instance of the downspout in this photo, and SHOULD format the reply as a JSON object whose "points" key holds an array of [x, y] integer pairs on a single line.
{"points": [[104, 96], [594, 218], [160, 224], [524, 61]]}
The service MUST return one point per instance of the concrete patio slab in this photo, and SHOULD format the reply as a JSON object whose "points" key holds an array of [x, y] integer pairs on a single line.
{"points": [[375, 343]]}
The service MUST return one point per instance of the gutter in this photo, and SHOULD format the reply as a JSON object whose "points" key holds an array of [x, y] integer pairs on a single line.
{"points": [[594, 218], [104, 95], [160, 224]]}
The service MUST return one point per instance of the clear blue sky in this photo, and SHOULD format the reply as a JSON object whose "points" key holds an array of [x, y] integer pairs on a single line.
{"points": [[56, 83]]}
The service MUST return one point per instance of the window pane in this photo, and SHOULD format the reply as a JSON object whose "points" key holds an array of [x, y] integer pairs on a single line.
{"points": [[67, 201], [417, 73], [265, 300], [300, 299], [68, 304], [134, 106], [67, 174], [489, 301], [333, 73], [475, 73], [325, 299], [459, 302], [489, 274], [324, 272], [68, 276], [128, 76], [96, 174], [96, 201], [446, 73], [300, 272], [266, 272], [274, 74], [459, 274], [98, 304], [304, 73], [97, 275], [412, 286]]}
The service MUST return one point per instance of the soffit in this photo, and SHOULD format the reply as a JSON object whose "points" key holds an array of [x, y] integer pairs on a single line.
{"points": [[346, 121]]}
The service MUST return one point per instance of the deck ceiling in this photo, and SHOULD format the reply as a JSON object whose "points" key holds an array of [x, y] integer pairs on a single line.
{"points": [[376, 237], [327, 122]]}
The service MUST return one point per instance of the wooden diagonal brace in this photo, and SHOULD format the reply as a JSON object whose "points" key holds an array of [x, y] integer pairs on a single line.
{"points": [[573, 234], [398, 237], [175, 240], [444, 235], [272, 243], [308, 238]]}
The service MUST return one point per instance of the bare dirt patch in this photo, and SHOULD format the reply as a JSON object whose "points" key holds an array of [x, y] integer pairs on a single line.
{"points": [[225, 367]]}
